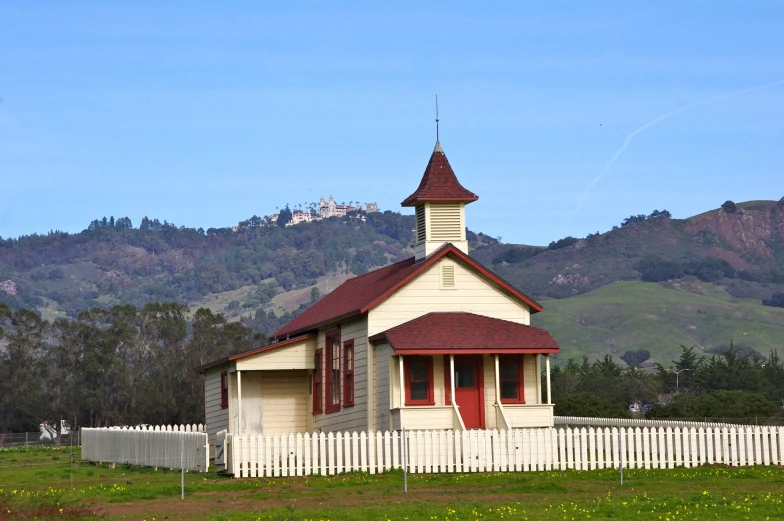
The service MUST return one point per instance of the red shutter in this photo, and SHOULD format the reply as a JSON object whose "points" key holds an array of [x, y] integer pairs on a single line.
{"points": [[348, 372], [224, 383], [317, 372]]}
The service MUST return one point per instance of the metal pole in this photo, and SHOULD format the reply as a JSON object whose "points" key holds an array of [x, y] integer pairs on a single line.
{"points": [[405, 462], [182, 465]]}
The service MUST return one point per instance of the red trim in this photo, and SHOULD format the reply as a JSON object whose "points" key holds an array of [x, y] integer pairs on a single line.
{"points": [[457, 352], [359, 293], [348, 373], [252, 352], [440, 253], [430, 400], [332, 373], [224, 383], [520, 382], [317, 379]]}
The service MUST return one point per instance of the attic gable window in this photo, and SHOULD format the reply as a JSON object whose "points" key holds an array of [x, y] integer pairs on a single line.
{"points": [[447, 276]]}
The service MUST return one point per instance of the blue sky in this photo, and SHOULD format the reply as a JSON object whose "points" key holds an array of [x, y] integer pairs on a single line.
{"points": [[205, 113]]}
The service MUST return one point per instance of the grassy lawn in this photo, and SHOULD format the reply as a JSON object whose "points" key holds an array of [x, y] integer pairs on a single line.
{"points": [[36, 483]]}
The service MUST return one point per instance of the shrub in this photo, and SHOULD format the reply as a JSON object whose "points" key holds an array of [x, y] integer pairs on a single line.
{"points": [[729, 207], [776, 300]]}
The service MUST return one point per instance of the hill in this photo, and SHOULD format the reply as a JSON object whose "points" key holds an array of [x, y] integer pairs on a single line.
{"points": [[658, 317], [263, 275]]}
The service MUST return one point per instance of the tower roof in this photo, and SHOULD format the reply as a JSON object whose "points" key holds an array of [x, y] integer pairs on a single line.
{"points": [[439, 183]]}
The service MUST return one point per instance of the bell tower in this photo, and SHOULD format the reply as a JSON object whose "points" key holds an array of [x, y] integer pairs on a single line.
{"points": [[439, 203]]}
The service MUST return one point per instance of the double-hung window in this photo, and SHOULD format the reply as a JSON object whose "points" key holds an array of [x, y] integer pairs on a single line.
{"points": [[348, 372], [333, 371], [317, 376], [224, 388], [511, 376], [419, 380]]}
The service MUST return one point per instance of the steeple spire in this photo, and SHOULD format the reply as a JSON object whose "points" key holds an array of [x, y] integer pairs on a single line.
{"points": [[437, 140]]}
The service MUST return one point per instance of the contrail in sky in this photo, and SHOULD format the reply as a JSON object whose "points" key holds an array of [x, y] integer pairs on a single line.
{"points": [[626, 142]]}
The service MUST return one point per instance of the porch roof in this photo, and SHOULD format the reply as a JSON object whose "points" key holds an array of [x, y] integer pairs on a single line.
{"points": [[466, 333]]}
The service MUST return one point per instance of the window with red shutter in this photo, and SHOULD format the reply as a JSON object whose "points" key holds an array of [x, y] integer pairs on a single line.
{"points": [[511, 379], [419, 380]]}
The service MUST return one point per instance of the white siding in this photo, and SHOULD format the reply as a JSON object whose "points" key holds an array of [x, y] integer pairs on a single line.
{"points": [[352, 418], [216, 417], [293, 356], [531, 382], [285, 404], [252, 410], [488, 361], [423, 295]]}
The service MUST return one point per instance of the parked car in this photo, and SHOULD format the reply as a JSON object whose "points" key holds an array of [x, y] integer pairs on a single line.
{"points": [[647, 407], [634, 407]]}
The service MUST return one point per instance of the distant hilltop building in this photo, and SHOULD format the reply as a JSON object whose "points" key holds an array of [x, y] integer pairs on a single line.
{"points": [[298, 216], [330, 208], [9, 287]]}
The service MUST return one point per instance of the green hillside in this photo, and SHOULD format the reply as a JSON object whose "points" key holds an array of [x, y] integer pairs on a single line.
{"points": [[659, 317]]}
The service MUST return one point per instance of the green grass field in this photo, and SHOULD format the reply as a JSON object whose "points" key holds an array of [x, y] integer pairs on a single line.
{"points": [[641, 315], [41, 483]]}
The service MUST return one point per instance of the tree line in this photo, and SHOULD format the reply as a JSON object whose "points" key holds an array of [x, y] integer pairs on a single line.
{"points": [[735, 384], [121, 366]]}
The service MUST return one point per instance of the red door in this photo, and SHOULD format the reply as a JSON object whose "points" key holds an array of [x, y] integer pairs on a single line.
{"points": [[468, 391]]}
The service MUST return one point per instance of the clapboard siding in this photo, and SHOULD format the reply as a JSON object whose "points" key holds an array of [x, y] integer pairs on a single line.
{"points": [[531, 380], [284, 396], [354, 417], [424, 295], [488, 363], [298, 355], [216, 417], [383, 405]]}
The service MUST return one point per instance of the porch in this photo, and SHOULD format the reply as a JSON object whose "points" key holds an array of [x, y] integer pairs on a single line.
{"points": [[491, 391]]}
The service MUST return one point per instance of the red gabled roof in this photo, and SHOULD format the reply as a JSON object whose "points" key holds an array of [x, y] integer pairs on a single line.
{"points": [[439, 183], [255, 351], [360, 294], [466, 333]]}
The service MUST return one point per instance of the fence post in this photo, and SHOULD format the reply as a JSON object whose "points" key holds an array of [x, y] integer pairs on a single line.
{"points": [[405, 462], [620, 429], [182, 467]]}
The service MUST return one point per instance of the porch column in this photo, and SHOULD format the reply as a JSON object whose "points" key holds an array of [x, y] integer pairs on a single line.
{"points": [[401, 379], [452, 380], [239, 403], [547, 370], [497, 381]]}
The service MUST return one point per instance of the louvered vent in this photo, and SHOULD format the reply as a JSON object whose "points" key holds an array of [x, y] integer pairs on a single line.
{"points": [[420, 223], [445, 222], [447, 276]]}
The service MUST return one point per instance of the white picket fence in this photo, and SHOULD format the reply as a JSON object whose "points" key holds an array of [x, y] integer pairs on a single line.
{"points": [[518, 450], [165, 428], [634, 422], [181, 449]]}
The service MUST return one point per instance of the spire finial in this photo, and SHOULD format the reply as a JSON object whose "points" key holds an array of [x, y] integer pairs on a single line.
{"points": [[437, 118]]}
